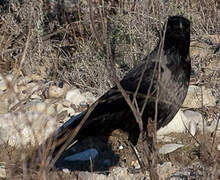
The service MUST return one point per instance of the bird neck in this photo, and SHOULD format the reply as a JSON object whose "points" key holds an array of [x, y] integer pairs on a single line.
{"points": [[178, 47]]}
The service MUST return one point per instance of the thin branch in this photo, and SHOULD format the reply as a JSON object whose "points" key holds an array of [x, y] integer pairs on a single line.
{"points": [[214, 135], [93, 25]]}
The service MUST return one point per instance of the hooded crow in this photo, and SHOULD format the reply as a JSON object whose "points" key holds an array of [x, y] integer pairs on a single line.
{"points": [[163, 77]]}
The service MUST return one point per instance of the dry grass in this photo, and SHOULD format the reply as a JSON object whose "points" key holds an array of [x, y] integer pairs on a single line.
{"points": [[55, 42]]}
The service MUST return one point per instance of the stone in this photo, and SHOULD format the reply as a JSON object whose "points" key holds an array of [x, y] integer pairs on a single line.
{"points": [[120, 147], [83, 104], [51, 110], [41, 107], [192, 128], [67, 171], [22, 128], [90, 97], [168, 148], [218, 147], [61, 108], [35, 97], [193, 115], [199, 96], [2, 172], [177, 125], [70, 111], [55, 92], [75, 97], [135, 164], [193, 97], [196, 121], [66, 103], [208, 98]]}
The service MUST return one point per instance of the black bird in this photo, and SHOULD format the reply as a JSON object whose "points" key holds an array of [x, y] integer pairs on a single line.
{"points": [[166, 74]]}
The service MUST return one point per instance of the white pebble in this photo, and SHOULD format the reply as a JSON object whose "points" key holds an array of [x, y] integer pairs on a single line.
{"points": [[67, 171], [218, 147], [168, 148], [193, 127], [121, 147]]}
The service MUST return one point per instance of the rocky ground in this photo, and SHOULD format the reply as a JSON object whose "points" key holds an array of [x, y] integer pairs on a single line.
{"points": [[50, 73]]}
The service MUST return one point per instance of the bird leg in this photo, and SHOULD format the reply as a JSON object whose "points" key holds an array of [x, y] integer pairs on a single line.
{"points": [[137, 156]]}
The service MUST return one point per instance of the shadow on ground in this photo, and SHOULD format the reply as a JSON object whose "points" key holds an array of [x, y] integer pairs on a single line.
{"points": [[91, 154]]}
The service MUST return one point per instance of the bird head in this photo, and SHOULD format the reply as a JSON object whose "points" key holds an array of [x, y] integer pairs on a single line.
{"points": [[177, 34]]}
